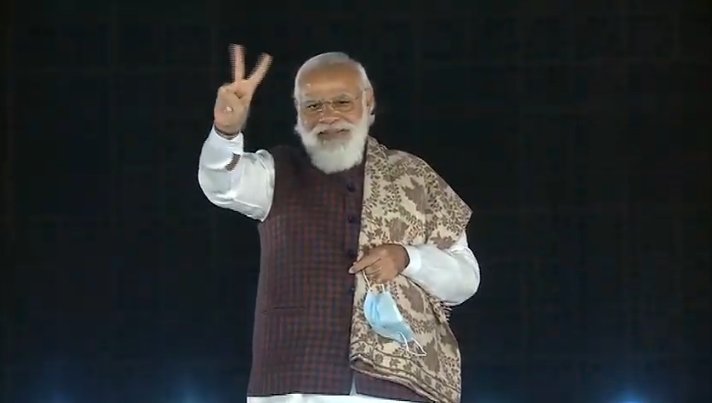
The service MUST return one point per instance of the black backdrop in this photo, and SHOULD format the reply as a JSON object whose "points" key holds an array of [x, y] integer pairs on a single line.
{"points": [[580, 134]]}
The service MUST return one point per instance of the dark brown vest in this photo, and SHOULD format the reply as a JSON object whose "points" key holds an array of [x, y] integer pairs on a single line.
{"points": [[305, 293]]}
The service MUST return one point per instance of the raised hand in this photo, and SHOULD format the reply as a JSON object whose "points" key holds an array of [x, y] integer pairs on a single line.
{"points": [[233, 100]]}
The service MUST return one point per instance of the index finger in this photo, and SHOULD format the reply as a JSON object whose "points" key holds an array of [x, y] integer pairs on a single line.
{"points": [[364, 262], [261, 69], [237, 57]]}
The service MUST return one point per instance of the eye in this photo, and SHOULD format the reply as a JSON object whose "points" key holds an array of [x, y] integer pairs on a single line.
{"points": [[312, 106], [342, 103]]}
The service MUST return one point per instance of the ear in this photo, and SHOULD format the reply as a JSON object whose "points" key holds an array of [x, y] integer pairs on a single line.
{"points": [[370, 101]]}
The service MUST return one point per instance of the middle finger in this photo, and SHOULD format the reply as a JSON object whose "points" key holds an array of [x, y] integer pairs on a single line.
{"points": [[372, 269]]}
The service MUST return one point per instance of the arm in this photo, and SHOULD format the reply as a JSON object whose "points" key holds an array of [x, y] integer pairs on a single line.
{"points": [[452, 275], [234, 179]]}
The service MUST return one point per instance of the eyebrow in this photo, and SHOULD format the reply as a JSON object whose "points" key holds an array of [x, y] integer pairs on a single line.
{"points": [[312, 98]]}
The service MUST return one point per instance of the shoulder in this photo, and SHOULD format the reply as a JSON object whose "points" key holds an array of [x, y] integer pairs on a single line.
{"points": [[283, 151], [288, 154], [291, 162], [413, 163], [416, 167]]}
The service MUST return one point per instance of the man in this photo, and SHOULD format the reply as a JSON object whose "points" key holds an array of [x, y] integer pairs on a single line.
{"points": [[363, 249]]}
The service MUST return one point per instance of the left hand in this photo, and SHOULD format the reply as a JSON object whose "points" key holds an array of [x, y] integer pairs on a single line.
{"points": [[382, 263]]}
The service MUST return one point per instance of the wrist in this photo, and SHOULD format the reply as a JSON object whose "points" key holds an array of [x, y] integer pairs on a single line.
{"points": [[414, 261], [226, 132], [405, 258]]}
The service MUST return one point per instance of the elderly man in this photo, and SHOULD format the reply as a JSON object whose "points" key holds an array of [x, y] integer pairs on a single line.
{"points": [[363, 248]]}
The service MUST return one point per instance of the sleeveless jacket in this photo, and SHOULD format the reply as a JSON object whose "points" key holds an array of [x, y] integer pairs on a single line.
{"points": [[305, 293]]}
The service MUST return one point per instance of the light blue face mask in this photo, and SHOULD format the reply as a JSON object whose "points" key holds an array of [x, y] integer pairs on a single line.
{"points": [[382, 314]]}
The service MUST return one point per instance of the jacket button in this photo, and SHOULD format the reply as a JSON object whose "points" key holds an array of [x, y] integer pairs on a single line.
{"points": [[351, 254], [350, 187], [351, 219]]}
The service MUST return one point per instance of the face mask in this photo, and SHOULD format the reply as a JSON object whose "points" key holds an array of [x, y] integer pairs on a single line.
{"points": [[382, 314]]}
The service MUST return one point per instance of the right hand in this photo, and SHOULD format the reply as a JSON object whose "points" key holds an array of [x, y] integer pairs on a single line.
{"points": [[233, 100]]}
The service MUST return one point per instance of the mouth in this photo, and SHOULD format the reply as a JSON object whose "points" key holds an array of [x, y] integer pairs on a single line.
{"points": [[333, 132]]}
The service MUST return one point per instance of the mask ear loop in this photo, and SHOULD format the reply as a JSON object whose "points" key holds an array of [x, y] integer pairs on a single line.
{"points": [[380, 287], [420, 352], [368, 283]]}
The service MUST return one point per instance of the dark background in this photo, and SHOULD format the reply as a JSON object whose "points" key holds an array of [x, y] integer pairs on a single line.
{"points": [[579, 132]]}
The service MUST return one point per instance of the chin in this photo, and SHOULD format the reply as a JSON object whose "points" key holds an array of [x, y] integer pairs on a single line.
{"points": [[339, 149]]}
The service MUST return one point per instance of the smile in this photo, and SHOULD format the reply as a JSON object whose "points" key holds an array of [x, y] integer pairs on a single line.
{"points": [[333, 132]]}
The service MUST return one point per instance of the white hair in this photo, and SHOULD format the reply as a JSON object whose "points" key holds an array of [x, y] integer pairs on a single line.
{"points": [[333, 58]]}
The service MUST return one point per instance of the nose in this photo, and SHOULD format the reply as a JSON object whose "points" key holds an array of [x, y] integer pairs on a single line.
{"points": [[328, 119]]}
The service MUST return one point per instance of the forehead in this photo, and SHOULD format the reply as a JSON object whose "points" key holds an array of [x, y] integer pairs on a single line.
{"points": [[330, 80]]}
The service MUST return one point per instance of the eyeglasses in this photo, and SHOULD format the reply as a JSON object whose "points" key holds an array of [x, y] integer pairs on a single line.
{"points": [[342, 103]]}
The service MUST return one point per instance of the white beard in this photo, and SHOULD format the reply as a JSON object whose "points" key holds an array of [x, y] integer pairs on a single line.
{"points": [[335, 155]]}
